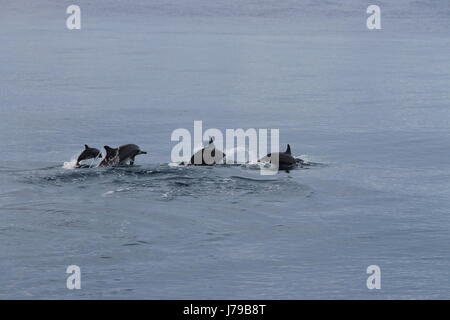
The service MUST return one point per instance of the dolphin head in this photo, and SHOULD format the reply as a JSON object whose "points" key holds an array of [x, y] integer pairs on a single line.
{"points": [[89, 153], [110, 152], [93, 151]]}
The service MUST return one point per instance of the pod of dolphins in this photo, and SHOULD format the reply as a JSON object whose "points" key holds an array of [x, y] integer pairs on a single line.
{"points": [[114, 156], [207, 156]]}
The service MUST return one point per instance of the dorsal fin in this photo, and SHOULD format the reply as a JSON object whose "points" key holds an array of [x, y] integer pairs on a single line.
{"points": [[86, 146], [288, 149]]}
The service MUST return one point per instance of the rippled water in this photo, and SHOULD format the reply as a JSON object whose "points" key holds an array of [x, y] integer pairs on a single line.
{"points": [[368, 109], [162, 182]]}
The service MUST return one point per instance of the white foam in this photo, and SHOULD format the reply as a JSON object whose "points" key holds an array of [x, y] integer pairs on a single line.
{"points": [[305, 158], [72, 164], [174, 164]]}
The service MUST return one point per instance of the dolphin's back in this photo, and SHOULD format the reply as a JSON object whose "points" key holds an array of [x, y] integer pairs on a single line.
{"points": [[129, 151], [208, 151], [88, 153], [83, 156], [286, 159]]}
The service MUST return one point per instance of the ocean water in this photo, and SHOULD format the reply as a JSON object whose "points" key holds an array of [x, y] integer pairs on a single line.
{"points": [[371, 110]]}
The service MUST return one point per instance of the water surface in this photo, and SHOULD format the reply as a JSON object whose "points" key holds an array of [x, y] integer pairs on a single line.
{"points": [[371, 107]]}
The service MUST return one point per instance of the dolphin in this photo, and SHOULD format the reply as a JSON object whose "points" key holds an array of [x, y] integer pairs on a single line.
{"points": [[121, 155], [207, 156], [88, 153], [284, 160]]}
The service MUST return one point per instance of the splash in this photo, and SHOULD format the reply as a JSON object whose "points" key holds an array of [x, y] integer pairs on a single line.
{"points": [[305, 160], [72, 164], [175, 164]]}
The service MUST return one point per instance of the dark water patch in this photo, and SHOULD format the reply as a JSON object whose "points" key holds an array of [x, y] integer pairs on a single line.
{"points": [[59, 175], [307, 165], [263, 180], [163, 181], [131, 244], [56, 174]]}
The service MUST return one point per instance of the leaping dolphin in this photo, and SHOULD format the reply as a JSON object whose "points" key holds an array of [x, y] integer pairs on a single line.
{"points": [[121, 155], [88, 153], [207, 156], [284, 160]]}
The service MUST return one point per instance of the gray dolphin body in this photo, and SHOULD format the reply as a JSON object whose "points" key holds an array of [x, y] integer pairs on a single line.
{"points": [[208, 156], [121, 155], [88, 153], [285, 159]]}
